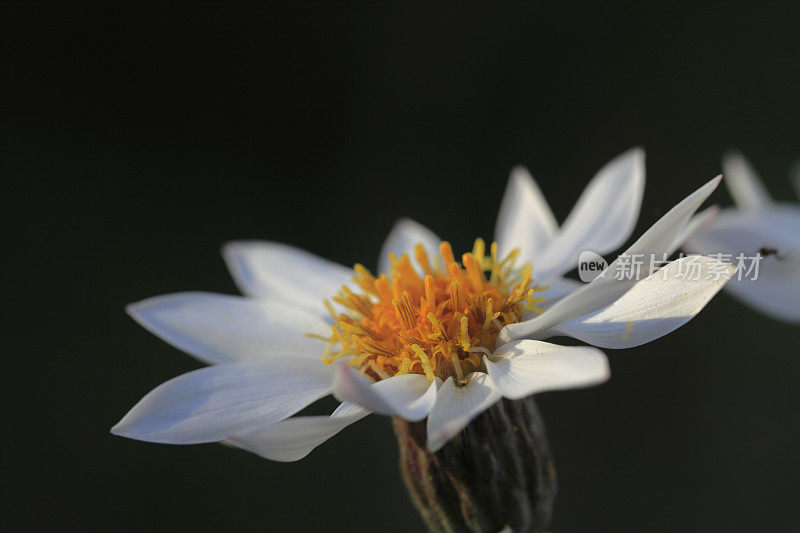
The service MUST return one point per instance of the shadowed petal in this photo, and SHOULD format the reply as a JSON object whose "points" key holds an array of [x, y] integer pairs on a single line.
{"points": [[409, 396], [294, 438], [212, 403], [525, 367], [456, 406]]}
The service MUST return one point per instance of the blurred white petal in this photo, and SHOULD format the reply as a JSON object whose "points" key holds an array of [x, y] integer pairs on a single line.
{"points": [[406, 234], [274, 270], [743, 183], [776, 290], [734, 231], [775, 293]]}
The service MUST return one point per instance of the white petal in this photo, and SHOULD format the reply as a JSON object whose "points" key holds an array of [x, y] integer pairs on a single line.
{"points": [[456, 406], [743, 183], [294, 438], [603, 290], [212, 403], [776, 291], [603, 218], [409, 396], [734, 231], [406, 234], [653, 307], [278, 271], [524, 221], [217, 328], [526, 367]]}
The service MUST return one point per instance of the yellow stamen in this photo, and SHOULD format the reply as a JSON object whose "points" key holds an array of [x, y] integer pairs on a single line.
{"points": [[440, 324], [490, 316], [474, 271], [465, 342], [426, 364], [404, 366], [364, 279], [447, 253], [422, 259], [404, 310], [479, 250], [329, 307], [383, 289], [430, 292], [353, 301], [456, 295]]}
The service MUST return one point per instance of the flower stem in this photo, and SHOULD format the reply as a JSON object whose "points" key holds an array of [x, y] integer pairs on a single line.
{"points": [[497, 474]]}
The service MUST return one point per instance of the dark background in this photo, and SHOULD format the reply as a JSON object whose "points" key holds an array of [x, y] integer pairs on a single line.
{"points": [[139, 139]]}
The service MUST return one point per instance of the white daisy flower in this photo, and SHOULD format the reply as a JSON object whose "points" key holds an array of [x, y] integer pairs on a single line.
{"points": [[431, 337], [757, 225]]}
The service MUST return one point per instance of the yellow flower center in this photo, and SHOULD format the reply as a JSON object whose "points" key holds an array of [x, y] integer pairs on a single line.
{"points": [[439, 325]]}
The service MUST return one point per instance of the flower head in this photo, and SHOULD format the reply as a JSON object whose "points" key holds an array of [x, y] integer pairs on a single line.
{"points": [[433, 335], [762, 230]]}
